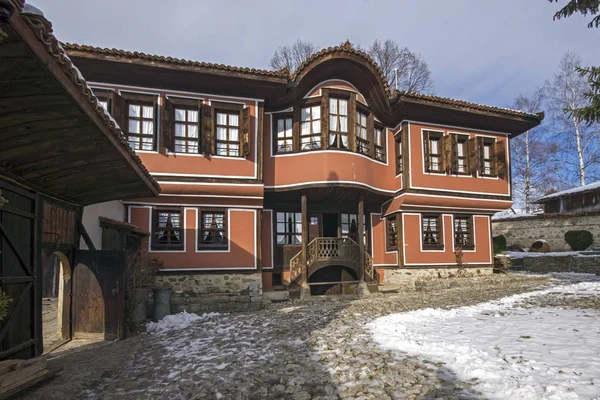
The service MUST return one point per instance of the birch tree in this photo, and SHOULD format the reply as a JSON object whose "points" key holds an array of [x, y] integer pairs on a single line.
{"points": [[580, 141], [532, 154]]}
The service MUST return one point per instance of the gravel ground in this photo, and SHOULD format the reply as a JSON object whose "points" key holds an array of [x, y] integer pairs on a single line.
{"points": [[317, 349]]}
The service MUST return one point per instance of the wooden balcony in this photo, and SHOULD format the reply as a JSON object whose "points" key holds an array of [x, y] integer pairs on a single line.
{"points": [[327, 251]]}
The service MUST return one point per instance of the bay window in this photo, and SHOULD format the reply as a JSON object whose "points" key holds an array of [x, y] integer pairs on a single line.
{"points": [[379, 144], [362, 142], [310, 128], [285, 139]]}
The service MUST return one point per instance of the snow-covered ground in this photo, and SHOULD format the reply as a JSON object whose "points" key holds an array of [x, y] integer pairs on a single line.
{"points": [[509, 350]]}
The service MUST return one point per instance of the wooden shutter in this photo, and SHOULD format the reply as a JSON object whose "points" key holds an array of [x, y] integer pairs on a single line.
{"points": [[324, 119], [499, 157], [208, 131], [168, 126], [119, 110], [446, 150], [427, 151], [473, 157], [454, 153], [245, 131]]}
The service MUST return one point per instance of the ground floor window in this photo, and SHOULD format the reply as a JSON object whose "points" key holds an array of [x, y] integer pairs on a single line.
{"points": [[289, 228], [213, 230], [167, 229], [463, 232], [392, 233], [432, 232], [349, 227]]}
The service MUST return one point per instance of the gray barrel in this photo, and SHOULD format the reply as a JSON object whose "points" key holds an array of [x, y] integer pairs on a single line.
{"points": [[162, 303]]}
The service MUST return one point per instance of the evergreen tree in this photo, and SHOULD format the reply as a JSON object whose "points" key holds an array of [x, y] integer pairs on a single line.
{"points": [[584, 7]]}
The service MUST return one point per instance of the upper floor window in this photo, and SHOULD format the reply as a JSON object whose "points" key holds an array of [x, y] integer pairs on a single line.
{"points": [[487, 154], [140, 126], [213, 233], [310, 128], [167, 229], [431, 230], [379, 144], [460, 164], [399, 154], [463, 232], [433, 155], [338, 123], [362, 142], [228, 140], [187, 128], [392, 233], [285, 139], [104, 104], [289, 228]]}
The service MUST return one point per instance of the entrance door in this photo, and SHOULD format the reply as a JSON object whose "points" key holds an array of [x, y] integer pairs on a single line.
{"points": [[314, 226], [330, 225], [99, 294]]}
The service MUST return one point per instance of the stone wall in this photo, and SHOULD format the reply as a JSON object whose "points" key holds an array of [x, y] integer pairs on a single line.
{"points": [[550, 227], [556, 263], [203, 284], [412, 278], [201, 293]]}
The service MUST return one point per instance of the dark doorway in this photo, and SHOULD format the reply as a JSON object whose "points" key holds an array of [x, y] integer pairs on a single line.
{"points": [[330, 225], [325, 281]]}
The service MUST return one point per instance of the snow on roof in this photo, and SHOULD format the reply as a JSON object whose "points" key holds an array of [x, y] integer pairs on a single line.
{"points": [[510, 213], [579, 189]]}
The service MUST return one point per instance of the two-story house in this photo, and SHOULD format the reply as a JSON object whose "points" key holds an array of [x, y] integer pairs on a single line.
{"points": [[305, 179]]}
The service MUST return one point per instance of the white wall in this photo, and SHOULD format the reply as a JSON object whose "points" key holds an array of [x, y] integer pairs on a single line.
{"points": [[111, 209]]}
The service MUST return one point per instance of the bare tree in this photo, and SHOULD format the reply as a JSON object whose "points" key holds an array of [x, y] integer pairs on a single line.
{"points": [[580, 141], [532, 154], [400, 65], [291, 57]]}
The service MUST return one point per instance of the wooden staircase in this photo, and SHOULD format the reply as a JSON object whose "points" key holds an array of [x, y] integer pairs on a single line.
{"points": [[326, 251]]}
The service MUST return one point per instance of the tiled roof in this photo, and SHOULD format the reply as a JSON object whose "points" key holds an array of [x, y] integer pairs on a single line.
{"points": [[42, 29], [171, 60], [348, 49], [465, 104]]}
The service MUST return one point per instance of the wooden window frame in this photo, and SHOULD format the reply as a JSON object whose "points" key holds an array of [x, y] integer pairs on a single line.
{"points": [[154, 244], [460, 139], [141, 119], [276, 138], [228, 127], [313, 137], [428, 135], [439, 245], [339, 134], [487, 142], [202, 244], [399, 155], [469, 243], [187, 124], [105, 96], [391, 233], [363, 145], [379, 154], [289, 235]]}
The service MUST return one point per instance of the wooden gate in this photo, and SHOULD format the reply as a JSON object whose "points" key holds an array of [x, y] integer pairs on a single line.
{"points": [[98, 303], [21, 329]]}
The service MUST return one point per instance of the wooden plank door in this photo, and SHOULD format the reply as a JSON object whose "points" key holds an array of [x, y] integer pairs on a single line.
{"points": [[98, 309], [20, 273]]}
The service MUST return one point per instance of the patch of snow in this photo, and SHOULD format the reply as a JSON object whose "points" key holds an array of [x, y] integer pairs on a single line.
{"points": [[509, 214], [176, 322], [584, 188], [508, 352]]}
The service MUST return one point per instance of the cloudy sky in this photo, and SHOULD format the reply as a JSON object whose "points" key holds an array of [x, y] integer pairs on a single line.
{"points": [[481, 51]]}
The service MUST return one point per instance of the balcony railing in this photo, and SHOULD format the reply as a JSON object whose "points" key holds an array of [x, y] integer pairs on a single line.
{"points": [[332, 250]]}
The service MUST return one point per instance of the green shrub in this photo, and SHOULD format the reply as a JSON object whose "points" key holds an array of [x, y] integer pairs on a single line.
{"points": [[499, 244], [5, 301], [579, 240]]}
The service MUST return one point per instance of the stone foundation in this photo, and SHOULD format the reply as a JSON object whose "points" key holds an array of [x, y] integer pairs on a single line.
{"points": [[412, 278], [205, 284]]}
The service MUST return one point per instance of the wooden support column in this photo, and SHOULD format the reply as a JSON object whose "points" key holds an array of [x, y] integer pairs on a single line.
{"points": [[361, 239], [304, 239]]}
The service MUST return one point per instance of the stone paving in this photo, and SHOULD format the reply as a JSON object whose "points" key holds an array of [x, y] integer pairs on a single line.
{"points": [[301, 350]]}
